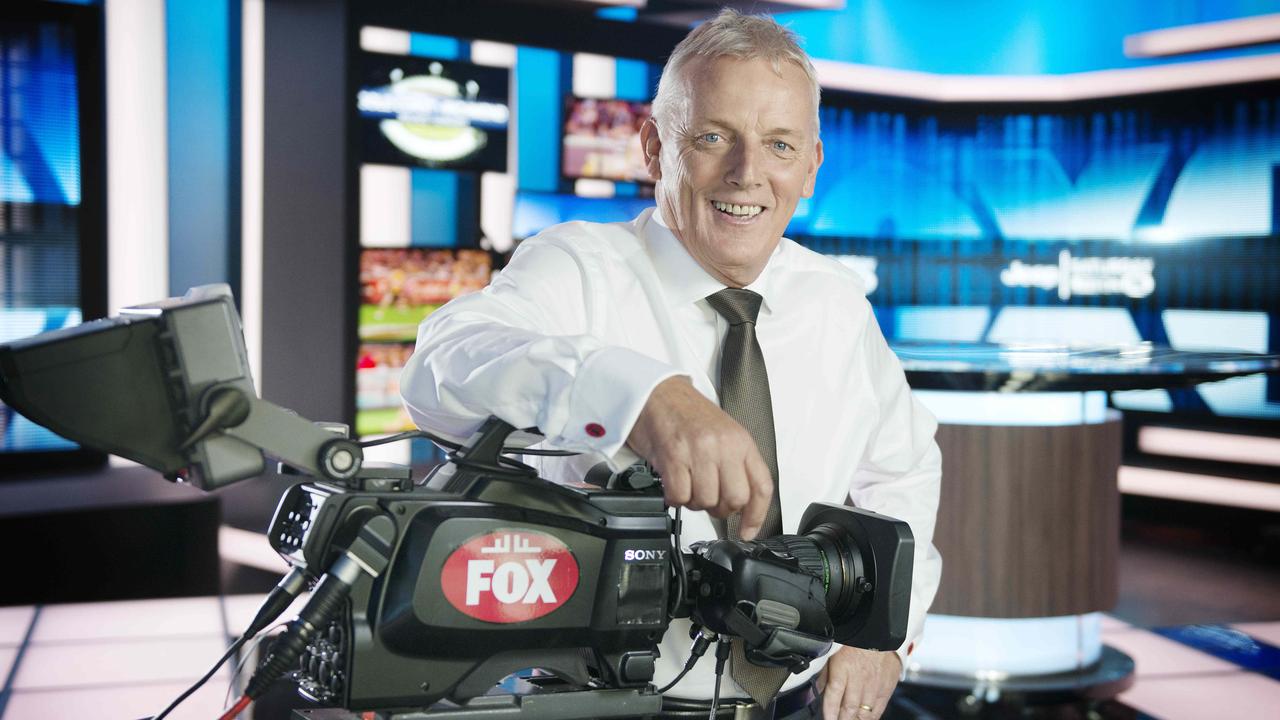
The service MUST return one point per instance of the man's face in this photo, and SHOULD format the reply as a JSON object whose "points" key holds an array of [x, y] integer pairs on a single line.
{"points": [[733, 160]]}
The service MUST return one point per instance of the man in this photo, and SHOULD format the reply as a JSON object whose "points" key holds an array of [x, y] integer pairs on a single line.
{"points": [[612, 339]]}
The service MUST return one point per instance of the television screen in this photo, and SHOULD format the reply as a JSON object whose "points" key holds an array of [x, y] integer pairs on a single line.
{"points": [[400, 287], [433, 113], [51, 224], [602, 139], [1152, 218], [378, 407]]}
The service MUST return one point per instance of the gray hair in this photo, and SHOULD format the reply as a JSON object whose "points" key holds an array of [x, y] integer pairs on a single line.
{"points": [[733, 34]]}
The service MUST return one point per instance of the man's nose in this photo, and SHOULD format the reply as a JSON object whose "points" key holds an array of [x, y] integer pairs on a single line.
{"points": [[743, 170]]}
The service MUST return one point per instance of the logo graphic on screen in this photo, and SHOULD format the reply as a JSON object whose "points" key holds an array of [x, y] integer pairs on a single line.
{"points": [[1129, 276], [509, 576], [434, 113]]}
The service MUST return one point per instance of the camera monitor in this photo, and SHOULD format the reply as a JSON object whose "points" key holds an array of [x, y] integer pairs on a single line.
{"points": [[132, 384], [167, 385]]}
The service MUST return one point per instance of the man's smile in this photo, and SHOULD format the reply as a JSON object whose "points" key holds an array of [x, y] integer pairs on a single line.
{"points": [[737, 213]]}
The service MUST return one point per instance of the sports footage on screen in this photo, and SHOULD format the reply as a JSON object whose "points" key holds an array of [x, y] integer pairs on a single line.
{"points": [[433, 113], [400, 287], [602, 139], [378, 406]]}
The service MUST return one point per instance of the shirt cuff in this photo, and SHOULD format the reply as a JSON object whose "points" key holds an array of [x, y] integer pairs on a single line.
{"points": [[903, 652], [610, 389]]}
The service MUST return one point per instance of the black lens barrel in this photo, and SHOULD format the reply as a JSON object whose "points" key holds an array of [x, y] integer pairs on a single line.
{"points": [[828, 552]]}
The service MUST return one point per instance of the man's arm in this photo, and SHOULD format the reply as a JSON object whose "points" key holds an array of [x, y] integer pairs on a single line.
{"points": [[521, 350], [901, 473], [899, 476]]}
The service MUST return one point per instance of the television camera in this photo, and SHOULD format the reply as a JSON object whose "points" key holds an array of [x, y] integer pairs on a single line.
{"points": [[426, 595]]}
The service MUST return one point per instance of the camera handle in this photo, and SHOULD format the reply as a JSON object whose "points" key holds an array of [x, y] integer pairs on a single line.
{"points": [[277, 432], [781, 645]]}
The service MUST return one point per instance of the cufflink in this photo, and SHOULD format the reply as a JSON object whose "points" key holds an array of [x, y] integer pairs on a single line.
{"points": [[595, 430]]}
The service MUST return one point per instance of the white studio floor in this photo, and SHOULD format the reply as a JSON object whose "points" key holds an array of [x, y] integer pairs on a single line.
{"points": [[127, 659]]}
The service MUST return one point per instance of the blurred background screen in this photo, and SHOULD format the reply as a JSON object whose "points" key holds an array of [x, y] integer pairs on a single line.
{"points": [[43, 223], [1148, 218]]}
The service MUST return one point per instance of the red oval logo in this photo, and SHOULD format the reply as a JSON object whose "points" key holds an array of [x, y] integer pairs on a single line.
{"points": [[509, 576]]}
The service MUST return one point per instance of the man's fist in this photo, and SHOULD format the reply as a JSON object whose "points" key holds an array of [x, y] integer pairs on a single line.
{"points": [[707, 460], [856, 684]]}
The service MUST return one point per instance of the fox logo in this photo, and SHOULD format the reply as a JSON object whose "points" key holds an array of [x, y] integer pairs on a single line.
{"points": [[511, 582], [509, 575]]}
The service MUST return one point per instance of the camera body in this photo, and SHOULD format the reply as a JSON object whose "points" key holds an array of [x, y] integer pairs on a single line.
{"points": [[491, 570], [513, 573]]}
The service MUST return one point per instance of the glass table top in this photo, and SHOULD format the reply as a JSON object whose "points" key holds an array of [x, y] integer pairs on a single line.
{"points": [[1040, 366]]}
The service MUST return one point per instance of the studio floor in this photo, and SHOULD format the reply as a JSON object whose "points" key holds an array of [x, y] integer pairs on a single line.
{"points": [[1202, 625]]}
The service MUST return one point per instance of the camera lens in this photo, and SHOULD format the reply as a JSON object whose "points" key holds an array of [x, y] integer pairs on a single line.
{"points": [[828, 552]]}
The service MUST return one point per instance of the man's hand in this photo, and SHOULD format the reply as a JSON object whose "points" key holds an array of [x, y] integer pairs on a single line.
{"points": [[855, 679], [707, 460]]}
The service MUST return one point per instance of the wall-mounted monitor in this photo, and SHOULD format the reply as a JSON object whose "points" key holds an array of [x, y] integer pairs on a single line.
{"points": [[379, 409], [52, 198], [399, 288], [602, 139], [432, 113]]}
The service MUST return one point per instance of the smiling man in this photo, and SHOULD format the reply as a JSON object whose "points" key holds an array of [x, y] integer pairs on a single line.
{"points": [[747, 370]]}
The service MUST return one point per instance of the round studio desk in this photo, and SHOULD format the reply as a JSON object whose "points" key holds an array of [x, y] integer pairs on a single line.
{"points": [[1029, 517]]}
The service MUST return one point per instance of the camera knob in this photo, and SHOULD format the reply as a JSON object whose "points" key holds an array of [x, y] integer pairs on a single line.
{"points": [[340, 459], [636, 477]]}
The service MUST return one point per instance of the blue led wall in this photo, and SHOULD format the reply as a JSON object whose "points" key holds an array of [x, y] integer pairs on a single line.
{"points": [[40, 197], [1119, 221]]}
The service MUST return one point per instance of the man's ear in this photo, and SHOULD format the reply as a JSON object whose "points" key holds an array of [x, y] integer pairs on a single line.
{"points": [[811, 179], [651, 144]]}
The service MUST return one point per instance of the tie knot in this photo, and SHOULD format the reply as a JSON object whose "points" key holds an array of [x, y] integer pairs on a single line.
{"points": [[736, 305]]}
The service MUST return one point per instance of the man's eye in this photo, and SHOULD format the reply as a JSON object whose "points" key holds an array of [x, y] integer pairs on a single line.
{"points": [[781, 146], [711, 137]]}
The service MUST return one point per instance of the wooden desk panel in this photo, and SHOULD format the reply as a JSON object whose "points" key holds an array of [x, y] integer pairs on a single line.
{"points": [[1029, 520]]}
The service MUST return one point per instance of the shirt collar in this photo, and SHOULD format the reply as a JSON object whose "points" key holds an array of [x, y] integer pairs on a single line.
{"points": [[683, 279]]}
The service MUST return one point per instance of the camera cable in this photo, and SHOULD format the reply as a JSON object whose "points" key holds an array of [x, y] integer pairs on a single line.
{"points": [[369, 554], [677, 558], [702, 639], [723, 647], [244, 660], [281, 596], [450, 445], [235, 647]]}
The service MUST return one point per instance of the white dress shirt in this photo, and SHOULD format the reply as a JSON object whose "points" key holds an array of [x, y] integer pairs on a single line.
{"points": [[586, 319]]}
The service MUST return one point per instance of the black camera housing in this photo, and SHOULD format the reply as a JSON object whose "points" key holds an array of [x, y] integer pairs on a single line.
{"points": [[400, 642]]}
